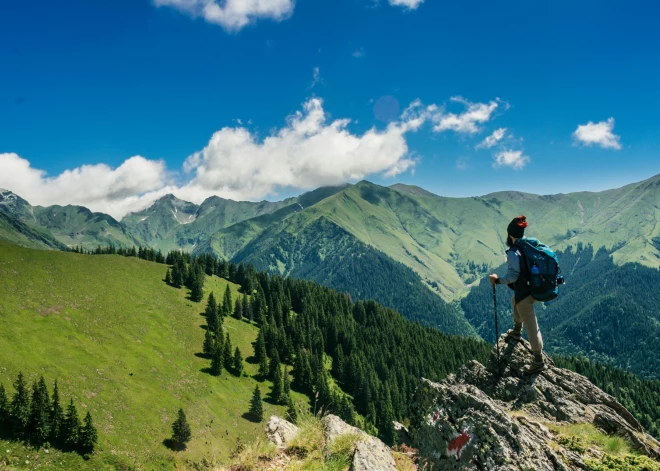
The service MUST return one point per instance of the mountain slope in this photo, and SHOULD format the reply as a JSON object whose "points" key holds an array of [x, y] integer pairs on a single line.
{"points": [[325, 253], [16, 232], [122, 344]]}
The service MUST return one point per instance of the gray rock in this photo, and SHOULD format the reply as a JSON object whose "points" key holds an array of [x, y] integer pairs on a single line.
{"points": [[279, 431], [490, 417], [372, 455]]}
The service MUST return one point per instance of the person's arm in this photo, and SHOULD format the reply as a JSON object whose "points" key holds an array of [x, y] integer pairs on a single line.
{"points": [[513, 262]]}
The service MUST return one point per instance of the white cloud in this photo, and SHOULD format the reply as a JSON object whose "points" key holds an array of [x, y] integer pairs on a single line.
{"points": [[598, 134], [462, 163], [466, 122], [309, 151], [410, 4], [133, 185], [492, 140], [233, 15], [511, 158], [359, 53], [316, 77]]}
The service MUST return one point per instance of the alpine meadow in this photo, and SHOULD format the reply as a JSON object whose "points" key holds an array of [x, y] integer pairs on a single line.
{"points": [[329, 235]]}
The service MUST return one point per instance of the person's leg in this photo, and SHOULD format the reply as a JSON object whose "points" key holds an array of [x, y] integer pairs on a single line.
{"points": [[528, 316], [516, 332]]}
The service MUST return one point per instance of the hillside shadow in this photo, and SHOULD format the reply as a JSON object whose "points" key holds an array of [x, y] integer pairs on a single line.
{"points": [[252, 360], [203, 355], [172, 445]]}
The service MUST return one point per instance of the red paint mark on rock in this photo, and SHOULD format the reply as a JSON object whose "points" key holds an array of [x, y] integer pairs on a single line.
{"points": [[456, 444]]}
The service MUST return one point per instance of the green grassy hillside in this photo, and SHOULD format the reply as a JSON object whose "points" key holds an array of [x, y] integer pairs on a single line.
{"points": [[122, 344]]}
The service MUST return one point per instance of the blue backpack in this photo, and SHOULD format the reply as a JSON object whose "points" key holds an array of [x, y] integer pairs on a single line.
{"points": [[542, 268]]}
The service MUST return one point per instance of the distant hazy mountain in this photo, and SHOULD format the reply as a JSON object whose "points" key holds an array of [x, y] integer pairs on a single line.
{"points": [[66, 226]]}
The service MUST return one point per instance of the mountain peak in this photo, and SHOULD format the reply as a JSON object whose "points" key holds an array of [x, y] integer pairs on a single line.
{"points": [[522, 419]]}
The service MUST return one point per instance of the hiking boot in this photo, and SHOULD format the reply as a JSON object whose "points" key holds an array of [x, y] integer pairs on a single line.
{"points": [[512, 334], [534, 368]]}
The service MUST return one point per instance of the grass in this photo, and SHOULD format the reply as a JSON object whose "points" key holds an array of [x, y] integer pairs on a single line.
{"points": [[122, 344], [307, 451], [582, 437]]}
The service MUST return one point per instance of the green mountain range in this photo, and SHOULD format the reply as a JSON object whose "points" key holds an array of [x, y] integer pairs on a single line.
{"points": [[401, 245]]}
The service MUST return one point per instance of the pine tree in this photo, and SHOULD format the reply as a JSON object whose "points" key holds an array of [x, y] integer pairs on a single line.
{"points": [[56, 416], [260, 348], [211, 311], [287, 383], [216, 360], [227, 303], [238, 362], [227, 359], [238, 309], [39, 421], [247, 310], [276, 391], [168, 277], [71, 426], [207, 348], [274, 365], [4, 409], [88, 436], [291, 410], [20, 407], [256, 406], [385, 417], [181, 433], [196, 283]]}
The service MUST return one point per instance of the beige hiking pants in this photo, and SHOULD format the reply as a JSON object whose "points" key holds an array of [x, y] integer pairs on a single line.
{"points": [[523, 313]]}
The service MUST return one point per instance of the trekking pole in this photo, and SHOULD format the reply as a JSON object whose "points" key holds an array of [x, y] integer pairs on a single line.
{"points": [[497, 330]]}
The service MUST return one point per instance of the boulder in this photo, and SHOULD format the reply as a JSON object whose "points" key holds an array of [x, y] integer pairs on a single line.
{"points": [[371, 454], [279, 431], [491, 417]]}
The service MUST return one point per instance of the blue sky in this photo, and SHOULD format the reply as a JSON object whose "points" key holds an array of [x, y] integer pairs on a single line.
{"points": [[85, 87]]}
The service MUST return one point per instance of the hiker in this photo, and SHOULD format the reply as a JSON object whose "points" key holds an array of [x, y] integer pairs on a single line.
{"points": [[522, 301]]}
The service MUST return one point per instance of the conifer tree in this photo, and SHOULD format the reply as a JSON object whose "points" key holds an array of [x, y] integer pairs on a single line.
{"points": [[216, 360], [211, 310], [291, 410], [71, 426], [56, 416], [286, 389], [238, 309], [181, 433], [385, 417], [4, 409], [276, 392], [88, 436], [238, 362], [207, 348], [247, 310], [39, 421], [196, 283], [227, 359], [168, 277], [256, 405], [274, 365], [260, 347], [20, 407], [227, 305]]}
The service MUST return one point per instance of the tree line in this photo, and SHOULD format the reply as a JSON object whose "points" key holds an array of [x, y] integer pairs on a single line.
{"points": [[36, 417], [360, 360]]}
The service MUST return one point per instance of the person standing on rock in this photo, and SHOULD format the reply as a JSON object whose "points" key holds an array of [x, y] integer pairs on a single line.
{"points": [[523, 303]]}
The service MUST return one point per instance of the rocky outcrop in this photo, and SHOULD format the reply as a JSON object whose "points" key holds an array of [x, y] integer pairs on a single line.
{"points": [[495, 417], [370, 454], [280, 431]]}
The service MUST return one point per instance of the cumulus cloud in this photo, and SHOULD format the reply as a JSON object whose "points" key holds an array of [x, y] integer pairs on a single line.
{"points": [[310, 150], [468, 121], [233, 15], [133, 185], [492, 140], [511, 158], [600, 134], [410, 4]]}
